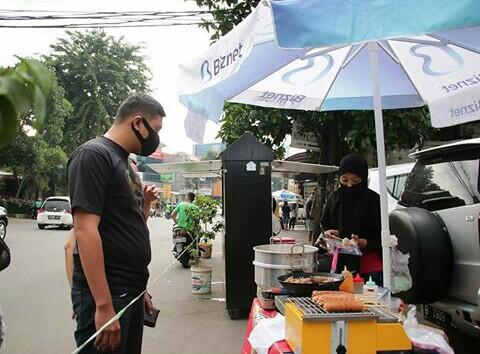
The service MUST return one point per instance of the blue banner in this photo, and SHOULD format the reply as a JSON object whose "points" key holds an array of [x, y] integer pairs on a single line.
{"points": [[318, 23]]}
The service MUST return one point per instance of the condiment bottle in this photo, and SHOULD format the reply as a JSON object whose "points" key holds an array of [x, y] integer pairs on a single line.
{"points": [[370, 288], [358, 283], [347, 284]]}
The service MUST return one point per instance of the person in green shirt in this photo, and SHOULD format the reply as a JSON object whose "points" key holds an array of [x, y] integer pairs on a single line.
{"points": [[179, 215]]}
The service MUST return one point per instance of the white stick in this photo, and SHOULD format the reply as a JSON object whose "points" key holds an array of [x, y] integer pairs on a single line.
{"points": [[377, 103]]}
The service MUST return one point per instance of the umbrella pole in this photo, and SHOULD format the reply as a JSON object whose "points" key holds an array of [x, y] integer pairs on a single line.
{"points": [[377, 102]]}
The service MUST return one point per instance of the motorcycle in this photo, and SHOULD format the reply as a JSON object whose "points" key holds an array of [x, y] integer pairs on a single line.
{"points": [[182, 239]]}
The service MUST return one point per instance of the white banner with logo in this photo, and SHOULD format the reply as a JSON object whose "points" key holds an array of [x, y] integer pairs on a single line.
{"points": [[446, 76]]}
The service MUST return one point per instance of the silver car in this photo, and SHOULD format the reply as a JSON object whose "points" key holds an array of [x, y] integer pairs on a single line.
{"points": [[440, 229]]}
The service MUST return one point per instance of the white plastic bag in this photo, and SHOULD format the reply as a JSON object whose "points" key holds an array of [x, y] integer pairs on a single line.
{"points": [[267, 332], [401, 278], [2, 329], [424, 337]]}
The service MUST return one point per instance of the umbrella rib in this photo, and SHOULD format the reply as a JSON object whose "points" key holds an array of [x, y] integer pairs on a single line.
{"points": [[417, 41], [319, 108], [253, 82], [455, 43], [389, 50], [351, 56], [321, 52], [408, 75]]}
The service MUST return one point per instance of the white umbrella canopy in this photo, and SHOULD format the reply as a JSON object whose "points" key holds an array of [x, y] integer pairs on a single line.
{"points": [[286, 195], [345, 55]]}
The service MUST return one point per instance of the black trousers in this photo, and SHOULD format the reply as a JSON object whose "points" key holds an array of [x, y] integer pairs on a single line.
{"points": [[131, 322]]}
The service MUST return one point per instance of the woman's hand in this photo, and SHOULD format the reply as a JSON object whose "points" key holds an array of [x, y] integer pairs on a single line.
{"points": [[361, 242], [332, 234]]}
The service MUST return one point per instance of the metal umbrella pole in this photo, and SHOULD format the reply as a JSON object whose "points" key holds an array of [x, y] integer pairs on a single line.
{"points": [[377, 102]]}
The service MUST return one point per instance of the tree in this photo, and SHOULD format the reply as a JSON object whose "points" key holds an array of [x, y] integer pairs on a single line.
{"points": [[210, 155], [22, 91], [226, 14], [98, 72], [36, 156]]}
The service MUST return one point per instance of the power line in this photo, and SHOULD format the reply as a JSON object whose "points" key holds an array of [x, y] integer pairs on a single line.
{"points": [[102, 19]]}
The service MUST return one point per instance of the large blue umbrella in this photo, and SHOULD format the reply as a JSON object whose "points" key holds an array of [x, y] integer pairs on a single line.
{"points": [[346, 54]]}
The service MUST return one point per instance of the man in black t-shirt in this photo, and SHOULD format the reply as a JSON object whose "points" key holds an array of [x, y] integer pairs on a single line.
{"points": [[111, 267]]}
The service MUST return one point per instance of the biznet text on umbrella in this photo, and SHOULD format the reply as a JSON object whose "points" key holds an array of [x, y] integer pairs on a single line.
{"points": [[220, 63], [474, 79], [463, 110]]}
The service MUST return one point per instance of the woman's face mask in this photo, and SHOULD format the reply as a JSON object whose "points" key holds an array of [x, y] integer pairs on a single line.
{"points": [[150, 143]]}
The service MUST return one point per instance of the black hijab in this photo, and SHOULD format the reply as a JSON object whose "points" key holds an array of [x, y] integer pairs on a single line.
{"points": [[352, 200], [355, 210]]}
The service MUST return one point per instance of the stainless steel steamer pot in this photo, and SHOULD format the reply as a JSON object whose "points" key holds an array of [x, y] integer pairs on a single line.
{"points": [[272, 261]]}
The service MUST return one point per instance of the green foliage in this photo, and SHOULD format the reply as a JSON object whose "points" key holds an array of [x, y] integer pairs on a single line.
{"points": [[37, 158], [17, 206], [22, 91], [204, 227], [269, 125], [226, 14], [98, 72], [210, 155]]}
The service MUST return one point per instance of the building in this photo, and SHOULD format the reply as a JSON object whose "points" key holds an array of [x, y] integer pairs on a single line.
{"points": [[208, 151]]}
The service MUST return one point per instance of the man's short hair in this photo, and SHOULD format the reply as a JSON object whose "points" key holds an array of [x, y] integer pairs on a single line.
{"points": [[142, 103], [191, 196]]}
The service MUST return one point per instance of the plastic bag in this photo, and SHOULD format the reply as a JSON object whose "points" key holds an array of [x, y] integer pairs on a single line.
{"points": [[400, 273], [266, 333], [424, 337], [2, 329]]}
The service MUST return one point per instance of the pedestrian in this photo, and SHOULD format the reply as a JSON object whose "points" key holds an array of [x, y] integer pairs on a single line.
{"points": [[308, 215], [293, 215], [111, 233], [286, 215]]}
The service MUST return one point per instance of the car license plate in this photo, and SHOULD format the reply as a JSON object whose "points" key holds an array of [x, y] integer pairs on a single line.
{"points": [[179, 239], [53, 217], [436, 316]]}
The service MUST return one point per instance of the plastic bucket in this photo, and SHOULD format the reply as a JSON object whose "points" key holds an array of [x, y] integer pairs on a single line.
{"points": [[201, 280]]}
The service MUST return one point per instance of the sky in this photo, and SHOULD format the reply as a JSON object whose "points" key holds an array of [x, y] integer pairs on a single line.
{"points": [[165, 49]]}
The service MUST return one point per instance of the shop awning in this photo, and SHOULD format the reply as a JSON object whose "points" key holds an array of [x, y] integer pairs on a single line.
{"points": [[213, 168]]}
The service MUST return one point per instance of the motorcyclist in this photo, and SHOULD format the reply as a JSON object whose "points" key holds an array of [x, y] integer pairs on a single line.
{"points": [[180, 215]]}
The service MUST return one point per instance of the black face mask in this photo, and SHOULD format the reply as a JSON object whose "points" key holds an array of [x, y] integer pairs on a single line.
{"points": [[150, 143], [353, 191]]}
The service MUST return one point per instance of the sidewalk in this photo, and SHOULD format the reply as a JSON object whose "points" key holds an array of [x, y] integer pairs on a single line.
{"points": [[189, 323], [299, 234]]}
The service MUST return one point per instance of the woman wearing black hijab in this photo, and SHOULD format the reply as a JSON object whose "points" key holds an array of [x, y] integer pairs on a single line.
{"points": [[353, 212]]}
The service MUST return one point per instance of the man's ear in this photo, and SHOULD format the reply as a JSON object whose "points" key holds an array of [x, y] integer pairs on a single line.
{"points": [[136, 122]]}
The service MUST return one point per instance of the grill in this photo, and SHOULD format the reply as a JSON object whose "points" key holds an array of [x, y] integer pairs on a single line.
{"points": [[312, 312]]}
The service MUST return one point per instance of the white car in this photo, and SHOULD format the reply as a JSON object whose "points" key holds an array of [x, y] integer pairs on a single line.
{"points": [[396, 178], [55, 211]]}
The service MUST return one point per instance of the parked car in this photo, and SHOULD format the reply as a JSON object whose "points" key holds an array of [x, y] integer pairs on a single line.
{"points": [[55, 211], [396, 177], [439, 227], [3, 223]]}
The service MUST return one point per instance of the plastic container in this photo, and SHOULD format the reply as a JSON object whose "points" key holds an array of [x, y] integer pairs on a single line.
{"points": [[370, 288], [358, 283], [201, 280]]}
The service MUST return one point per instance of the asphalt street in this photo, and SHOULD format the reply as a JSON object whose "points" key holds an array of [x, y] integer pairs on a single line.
{"points": [[35, 298]]}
